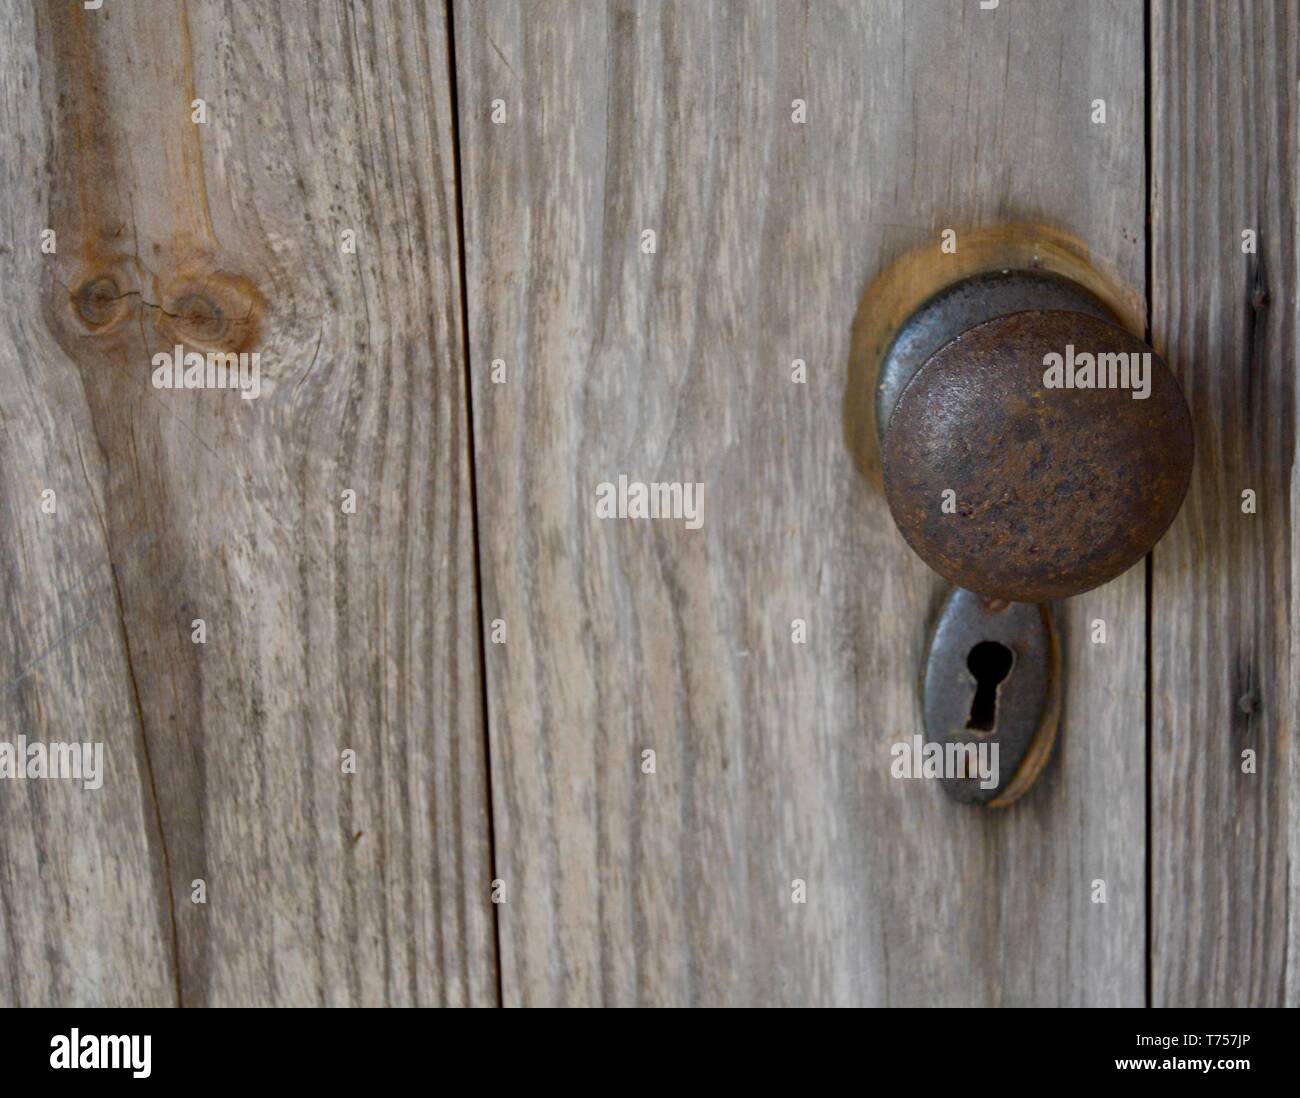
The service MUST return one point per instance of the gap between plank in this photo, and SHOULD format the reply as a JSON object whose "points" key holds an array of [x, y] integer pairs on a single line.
{"points": [[1150, 560], [473, 478]]}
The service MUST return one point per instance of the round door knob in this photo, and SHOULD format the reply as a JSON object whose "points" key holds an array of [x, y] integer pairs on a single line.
{"points": [[1038, 452]]}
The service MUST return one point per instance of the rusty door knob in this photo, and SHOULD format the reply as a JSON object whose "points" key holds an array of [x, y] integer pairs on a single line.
{"points": [[1033, 454]]}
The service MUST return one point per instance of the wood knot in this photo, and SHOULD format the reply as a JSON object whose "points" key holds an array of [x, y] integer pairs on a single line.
{"points": [[212, 312], [100, 302]]}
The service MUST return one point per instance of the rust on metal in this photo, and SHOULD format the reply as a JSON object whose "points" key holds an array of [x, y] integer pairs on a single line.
{"points": [[1018, 489], [958, 308]]}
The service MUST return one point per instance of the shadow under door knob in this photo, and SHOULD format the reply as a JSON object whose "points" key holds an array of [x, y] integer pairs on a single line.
{"points": [[1032, 448]]}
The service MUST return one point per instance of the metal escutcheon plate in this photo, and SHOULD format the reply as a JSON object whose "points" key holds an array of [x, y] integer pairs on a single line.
{"points": [[990, 696]]}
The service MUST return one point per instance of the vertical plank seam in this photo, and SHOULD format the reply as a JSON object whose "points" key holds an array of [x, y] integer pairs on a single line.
{"points": [[473, 478], [1149, 165]]}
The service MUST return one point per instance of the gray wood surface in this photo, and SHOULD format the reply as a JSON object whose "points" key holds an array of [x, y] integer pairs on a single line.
{"points": [[772, 758], [329, 630], [326, 631], [1225, 844], [84, 913]]}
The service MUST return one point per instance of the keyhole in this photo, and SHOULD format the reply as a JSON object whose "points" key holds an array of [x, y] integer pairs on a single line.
{"points": [[990, 663]]}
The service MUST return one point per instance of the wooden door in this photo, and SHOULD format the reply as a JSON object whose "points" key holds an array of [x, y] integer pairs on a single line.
{"points": [[451, 737]]}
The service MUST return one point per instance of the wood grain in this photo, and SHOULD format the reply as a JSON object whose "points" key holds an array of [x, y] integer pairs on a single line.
{"points": [[326, 630], [1225, 843], [84, 914], [329, 630], [772, 758]]}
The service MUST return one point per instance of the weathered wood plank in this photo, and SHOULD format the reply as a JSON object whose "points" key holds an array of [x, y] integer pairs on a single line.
{"points": [[772, 758], [84, 916], [325, 630], [1225, 895]]}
